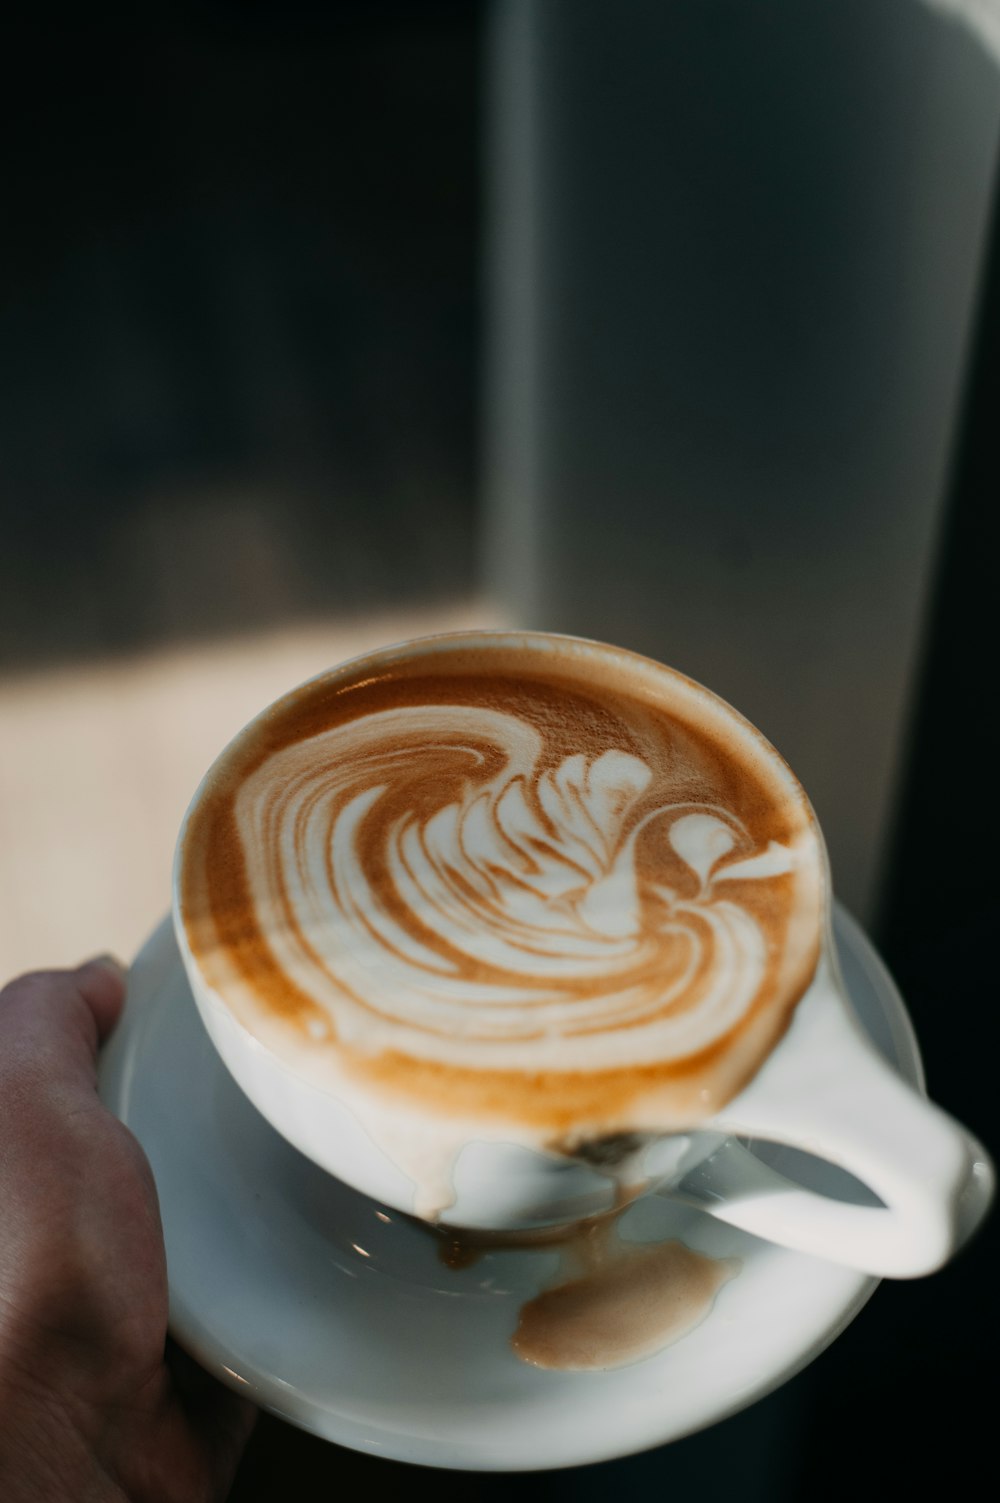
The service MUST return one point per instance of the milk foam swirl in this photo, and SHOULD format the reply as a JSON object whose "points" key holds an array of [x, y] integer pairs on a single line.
{"points": [[440, 885]]}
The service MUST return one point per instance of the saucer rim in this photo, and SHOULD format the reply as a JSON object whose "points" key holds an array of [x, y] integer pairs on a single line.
{"points": [[117, 1075]]}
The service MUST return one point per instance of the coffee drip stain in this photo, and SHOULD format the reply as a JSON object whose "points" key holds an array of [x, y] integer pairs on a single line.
{"points": [[462, 1247], [626, 1302], [611, 1302]]}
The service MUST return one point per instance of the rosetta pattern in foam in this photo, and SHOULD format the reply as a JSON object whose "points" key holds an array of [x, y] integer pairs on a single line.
{"points": [[437, 888]]}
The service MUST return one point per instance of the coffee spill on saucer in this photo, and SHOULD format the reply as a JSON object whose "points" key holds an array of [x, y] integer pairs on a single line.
{"points": [[636, 1302], [612, 1303], [460, 1247]]}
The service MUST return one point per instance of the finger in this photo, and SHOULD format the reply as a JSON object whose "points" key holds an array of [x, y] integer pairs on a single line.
{"points": [[51, 1022], [222, 1419], [102, 985]]}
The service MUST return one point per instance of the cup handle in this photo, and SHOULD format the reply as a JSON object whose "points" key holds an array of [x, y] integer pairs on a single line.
{"points": [[828, 1091]]}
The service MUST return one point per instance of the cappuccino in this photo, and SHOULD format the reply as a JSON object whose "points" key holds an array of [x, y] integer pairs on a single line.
{"points": [[517, 879]]}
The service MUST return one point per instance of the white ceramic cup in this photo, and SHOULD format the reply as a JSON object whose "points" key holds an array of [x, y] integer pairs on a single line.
{"points": [[823, 1089]]}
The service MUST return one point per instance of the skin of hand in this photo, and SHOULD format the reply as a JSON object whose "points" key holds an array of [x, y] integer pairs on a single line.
{"points": [[95, 1404]]}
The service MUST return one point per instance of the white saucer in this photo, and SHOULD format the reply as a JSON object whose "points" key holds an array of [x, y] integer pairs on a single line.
{"points": [[339, 1316]]}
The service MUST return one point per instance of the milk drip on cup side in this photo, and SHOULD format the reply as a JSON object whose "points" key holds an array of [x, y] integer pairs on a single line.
{"points": [[476, 917]]}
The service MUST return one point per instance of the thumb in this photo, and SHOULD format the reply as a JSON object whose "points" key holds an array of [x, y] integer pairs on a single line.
{"points": [[52, 1022], [101, 984]]}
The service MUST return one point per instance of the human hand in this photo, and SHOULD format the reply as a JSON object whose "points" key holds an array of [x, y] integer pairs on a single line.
{"points": [[94, 1405]]}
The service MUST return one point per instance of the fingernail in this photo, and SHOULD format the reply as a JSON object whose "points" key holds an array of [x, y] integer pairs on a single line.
{"points": [[109, 962]]}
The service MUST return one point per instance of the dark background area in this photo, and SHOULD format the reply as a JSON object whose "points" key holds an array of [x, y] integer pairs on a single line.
{"points": [[238, 280], [238, 384]]}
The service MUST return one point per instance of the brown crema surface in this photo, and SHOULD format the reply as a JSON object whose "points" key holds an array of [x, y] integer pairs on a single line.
{"points": [[579, 703]]}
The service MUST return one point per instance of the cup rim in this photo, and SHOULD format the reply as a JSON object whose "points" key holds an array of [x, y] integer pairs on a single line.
{"points": [[406, 648], [697, 702]]}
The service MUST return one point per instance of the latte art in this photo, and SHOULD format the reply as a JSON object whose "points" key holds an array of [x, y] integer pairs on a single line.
{"points": [[559, 889], [510, 926]]}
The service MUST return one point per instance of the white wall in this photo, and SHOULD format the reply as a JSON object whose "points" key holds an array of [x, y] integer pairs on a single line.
{"points": [[732, 255]]}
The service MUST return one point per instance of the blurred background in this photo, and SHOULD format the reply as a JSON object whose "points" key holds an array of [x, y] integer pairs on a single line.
{"points": [[670, 322]]}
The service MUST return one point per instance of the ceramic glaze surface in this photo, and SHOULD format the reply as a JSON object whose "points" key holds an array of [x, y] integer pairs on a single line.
{"points": [[362, 1335]]}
